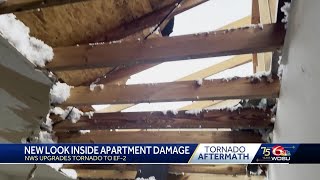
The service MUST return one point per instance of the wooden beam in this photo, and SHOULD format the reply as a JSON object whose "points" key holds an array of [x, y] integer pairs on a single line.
{"points": [[220, 43], [264, 11], [205, 169], [273, 9], [84, 174], [145, 21], [125, 72], [199, 105], [189, 176], [247, 118], [255, 12], [228, 64], [214, 69], [224, 104], [239, 23], [255, 19], [115, 108], [11, 6], [264, 59], [218, 89], [129, 175], [160, 137]]}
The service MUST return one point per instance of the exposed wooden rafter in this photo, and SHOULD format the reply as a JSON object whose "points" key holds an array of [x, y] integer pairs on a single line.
{"points": [[228, 64], [130, 175], [199, 105], [160, 137], [124, 73], [239, 23], [214, 69], [219, 89], [220, 43], [190, 176], [247, 118], [261, 13]]}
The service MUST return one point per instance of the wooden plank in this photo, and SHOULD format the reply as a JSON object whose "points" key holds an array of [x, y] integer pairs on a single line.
{"points": [[110, 175], [220, 43], [125, 72], [239, 23], [264, 11], [264, 59], [189, 176], [247, 118], [231, 63], [146, 21], [84, 174], [255, 19], [224, 104], [273, 9], [214, 69], [205, 169], [255, 14], [198, 105], [98, 136], [11, 6], [218, 89], [115, 108]]}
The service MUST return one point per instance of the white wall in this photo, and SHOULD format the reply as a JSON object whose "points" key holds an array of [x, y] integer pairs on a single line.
{"points": [[4, 177], [298, 111]]}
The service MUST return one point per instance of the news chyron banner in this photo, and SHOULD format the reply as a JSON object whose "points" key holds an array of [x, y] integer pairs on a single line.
{"points": [[160, 153]]}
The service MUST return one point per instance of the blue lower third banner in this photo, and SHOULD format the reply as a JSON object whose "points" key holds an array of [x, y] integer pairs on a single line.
{"points": [[160, 153]]}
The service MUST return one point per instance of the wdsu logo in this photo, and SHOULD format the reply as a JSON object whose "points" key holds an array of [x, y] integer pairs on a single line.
{"points": [[276, 153]]}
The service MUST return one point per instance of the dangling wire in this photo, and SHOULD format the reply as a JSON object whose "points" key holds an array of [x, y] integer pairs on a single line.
{"points": [[165, 18]]}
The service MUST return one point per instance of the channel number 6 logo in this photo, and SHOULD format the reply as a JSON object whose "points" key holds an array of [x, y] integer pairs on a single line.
{"points": [[276, 151]]}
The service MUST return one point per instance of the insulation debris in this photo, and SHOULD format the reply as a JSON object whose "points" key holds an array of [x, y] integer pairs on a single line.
{"points": [[60, 92], [84, 131], [73, 114], [150, 178], [57, 111], [258, 76], [281, 69], [89, 114], [199, 82], [93, 86], [35, 50], [70, 113], [262, 104], [285, 9], [48, 124], [71, 173], [227, 79], [234, 108], [174, 112], [45, 137], [194, 112]]}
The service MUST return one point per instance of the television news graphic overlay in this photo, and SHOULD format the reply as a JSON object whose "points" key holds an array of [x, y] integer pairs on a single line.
{"points": [[160, 153]]}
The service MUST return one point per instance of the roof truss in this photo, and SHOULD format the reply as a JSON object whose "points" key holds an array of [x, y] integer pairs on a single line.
{"points": [[212, 44]]}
